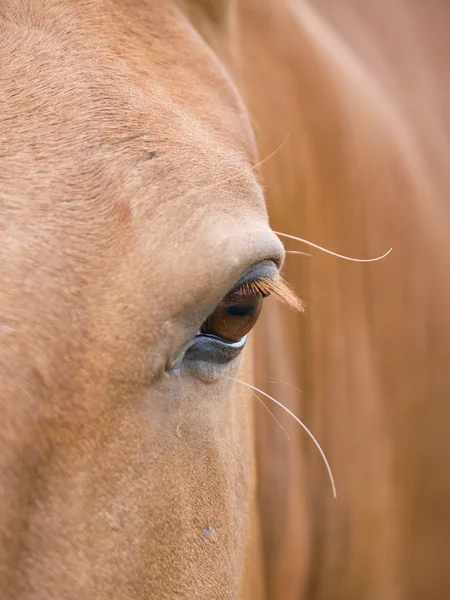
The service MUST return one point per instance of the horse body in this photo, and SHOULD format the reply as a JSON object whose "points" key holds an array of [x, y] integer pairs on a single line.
{"points": [[130, 207], [363, 95]]}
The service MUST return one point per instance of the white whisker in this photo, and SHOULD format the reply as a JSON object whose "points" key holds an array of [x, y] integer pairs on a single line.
{"points": [[269, 379], [322, 249], [318, 446], [297, 252], [272, 415], [241, 172]]}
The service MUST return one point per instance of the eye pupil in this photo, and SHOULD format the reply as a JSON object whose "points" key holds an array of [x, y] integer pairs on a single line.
{"points": [[240, 311], [235, 316]]}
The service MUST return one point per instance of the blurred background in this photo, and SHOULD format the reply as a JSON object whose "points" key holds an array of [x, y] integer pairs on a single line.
{"points": [[360, 88]]}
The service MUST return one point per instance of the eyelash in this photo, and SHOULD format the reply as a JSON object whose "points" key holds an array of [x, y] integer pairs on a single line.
{"points": [[260, 286], [273, 286]]}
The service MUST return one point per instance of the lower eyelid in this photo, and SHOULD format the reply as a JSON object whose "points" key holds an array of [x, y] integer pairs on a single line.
{"points": [[240, 344], [211, 349]]}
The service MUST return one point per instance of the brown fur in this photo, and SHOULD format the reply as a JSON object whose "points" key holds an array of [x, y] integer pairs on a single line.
{"points": [[129, 207], [363, 91], [117, 480]]}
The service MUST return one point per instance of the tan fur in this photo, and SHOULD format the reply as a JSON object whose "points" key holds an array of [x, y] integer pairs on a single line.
{"points": [[129, 207], [363, 92], [116, 479]]}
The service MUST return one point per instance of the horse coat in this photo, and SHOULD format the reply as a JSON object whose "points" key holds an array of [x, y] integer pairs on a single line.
{"points": [[131, 204]]}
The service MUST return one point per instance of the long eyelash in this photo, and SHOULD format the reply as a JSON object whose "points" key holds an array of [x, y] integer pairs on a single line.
{"points": [[266, 286]]}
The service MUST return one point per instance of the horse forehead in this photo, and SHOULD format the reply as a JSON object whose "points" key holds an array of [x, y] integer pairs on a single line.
{"points": [[92, 124], [112, 157], [115, 76]]}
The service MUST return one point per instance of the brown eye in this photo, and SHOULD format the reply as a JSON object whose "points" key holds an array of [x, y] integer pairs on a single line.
{"points": [[235, 316]]}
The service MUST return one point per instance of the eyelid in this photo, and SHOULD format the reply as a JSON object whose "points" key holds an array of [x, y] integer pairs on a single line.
{"points": [[264, 270], [210, 349]]}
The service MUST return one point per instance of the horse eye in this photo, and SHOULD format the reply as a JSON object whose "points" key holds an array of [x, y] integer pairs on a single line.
{"points": [[235, 316]]}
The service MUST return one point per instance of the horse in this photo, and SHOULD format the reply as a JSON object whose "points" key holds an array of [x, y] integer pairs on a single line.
{"points": [[144, 145]]}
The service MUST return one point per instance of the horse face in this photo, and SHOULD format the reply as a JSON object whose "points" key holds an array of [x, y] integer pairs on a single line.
{"points": [[129, 209]]}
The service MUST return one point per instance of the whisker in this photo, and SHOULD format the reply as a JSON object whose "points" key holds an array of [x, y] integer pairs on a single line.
{"points": [[272, 154], [252, 168], [273, 416], [359, 260], [270, 379], [297, 252], [318, 446]]}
